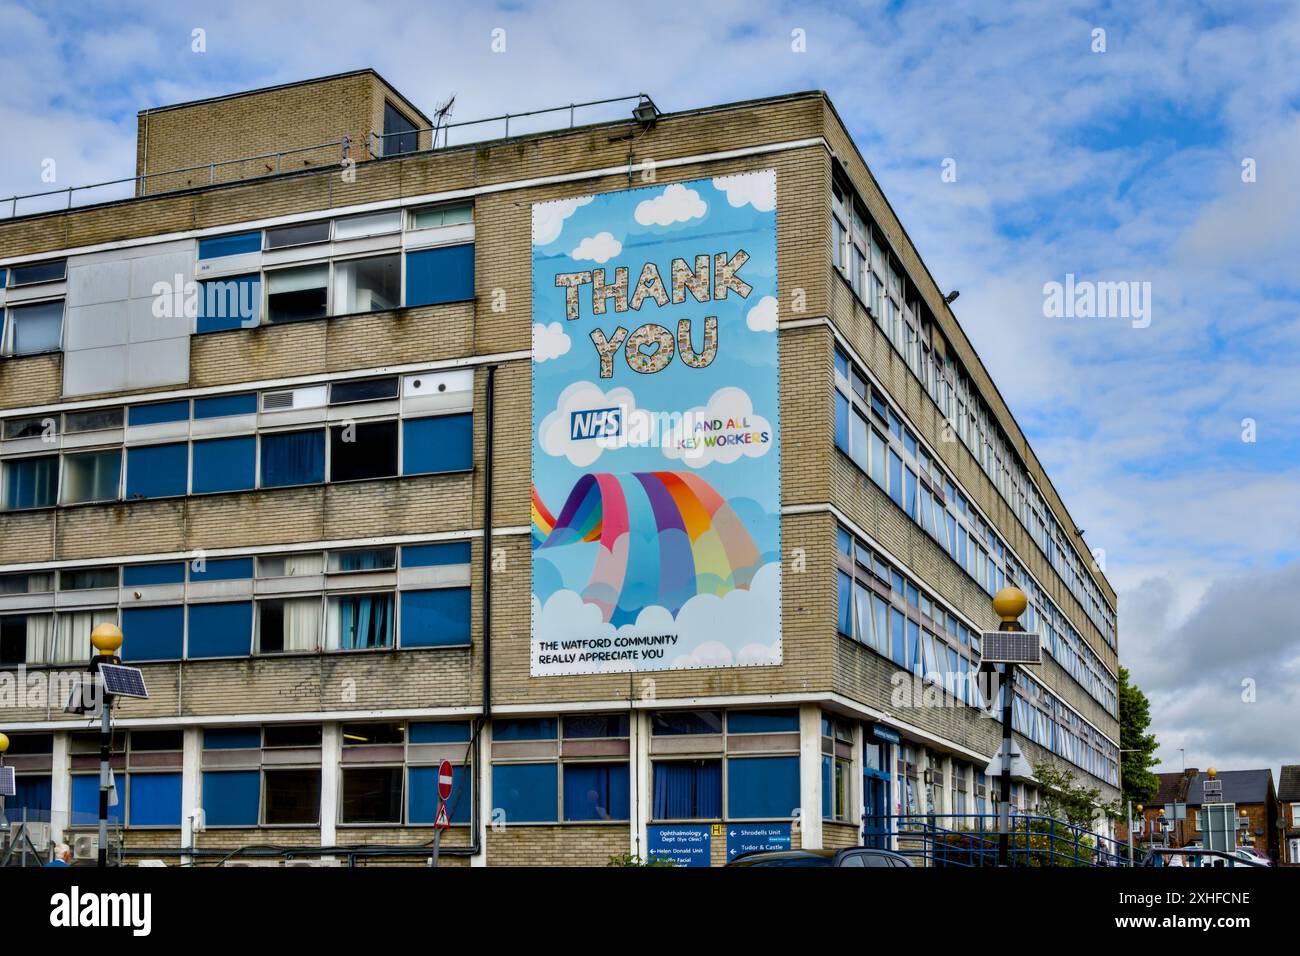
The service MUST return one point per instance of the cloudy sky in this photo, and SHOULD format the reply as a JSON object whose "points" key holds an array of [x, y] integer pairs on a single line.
{"points": [[1125, 164]]}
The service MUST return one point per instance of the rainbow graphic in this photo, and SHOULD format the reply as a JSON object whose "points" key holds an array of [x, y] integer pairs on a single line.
{"points": [[663, 537]]}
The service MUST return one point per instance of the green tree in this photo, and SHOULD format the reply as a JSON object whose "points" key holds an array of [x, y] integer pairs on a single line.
{"points": [[1060, 797], [1137, 782]]}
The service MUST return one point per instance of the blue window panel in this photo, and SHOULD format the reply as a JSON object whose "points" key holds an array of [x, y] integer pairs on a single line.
{"points": [[828, 783], [844, 541], [221, 630], [156, 633], [439, 732], [432, 445], [524, 728], [157, 471], [762, 721], [432, 555], [438, 618], [223, 406], [231, 798], [596, 791], [137, 575], [232, 738], [526, 792], [845, 616], [675, 722], [422, 795], [155, 799], [158, 413], [223, 569], [3, 276], [688, 790], [763, 787], [231, 302], [896, 632], [293, 458], [841, 422], [225, 464], [440, 275], [85, 799], [32, 794], [232, 245]]}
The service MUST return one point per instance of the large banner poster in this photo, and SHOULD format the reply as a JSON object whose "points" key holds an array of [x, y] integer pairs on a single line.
{"points": [[656, 467]]}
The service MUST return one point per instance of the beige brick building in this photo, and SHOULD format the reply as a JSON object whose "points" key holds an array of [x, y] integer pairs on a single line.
{"points": [[245, 414]]}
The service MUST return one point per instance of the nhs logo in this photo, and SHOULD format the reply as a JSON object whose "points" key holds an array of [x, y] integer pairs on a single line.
{"points": [[596, 423]]}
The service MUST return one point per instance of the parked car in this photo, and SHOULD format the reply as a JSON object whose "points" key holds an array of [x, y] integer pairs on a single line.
{"points": [[853, 856], [1253, 855]]}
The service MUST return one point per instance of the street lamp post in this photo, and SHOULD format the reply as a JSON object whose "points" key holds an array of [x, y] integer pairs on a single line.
{"points": [[4, 749], [106, 638], [1008, 604]]}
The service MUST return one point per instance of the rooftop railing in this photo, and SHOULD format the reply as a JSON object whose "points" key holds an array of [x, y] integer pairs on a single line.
{"points": [[264, 165]]}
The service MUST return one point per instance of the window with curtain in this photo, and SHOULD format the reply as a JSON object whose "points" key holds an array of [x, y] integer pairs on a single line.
{"points": [[361, 621], [293, 458], [30, 482], [688, 790], [31, 800], [596, 791], [285, 626], [91, 476], [367, 559], [290, 565], [71, 642], [25, 639]]}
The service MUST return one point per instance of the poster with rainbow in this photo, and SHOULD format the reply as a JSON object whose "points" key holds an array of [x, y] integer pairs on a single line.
{"points": [[656, 531]]}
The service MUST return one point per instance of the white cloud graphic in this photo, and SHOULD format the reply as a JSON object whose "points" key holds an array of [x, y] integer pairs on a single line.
{"points": [[704, 443], [762, 317], [676, 204], [554, 434], [599, 248], [549, 217], [549, 341], [754, 613], [757, 189]]}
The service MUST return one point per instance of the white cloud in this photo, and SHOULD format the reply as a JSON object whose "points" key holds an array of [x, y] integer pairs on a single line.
{"points": [[549, 341], [722, 430], [549, 218], [758, 189], [599, 248], [675, 204], [555, 435], [762, 317]]}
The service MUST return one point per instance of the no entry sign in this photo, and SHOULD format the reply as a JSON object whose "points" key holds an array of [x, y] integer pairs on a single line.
{"points": [[444, 780]]}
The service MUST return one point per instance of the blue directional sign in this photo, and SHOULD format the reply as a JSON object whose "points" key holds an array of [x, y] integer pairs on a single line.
{"points": [[754, 837], [683, 845]]}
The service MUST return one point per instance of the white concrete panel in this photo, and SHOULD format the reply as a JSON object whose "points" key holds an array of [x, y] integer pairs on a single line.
{"points": [[242, 264], [97, 282], [164, 362], [147, 270], [90, 371], [144, 326], [95, 326]]}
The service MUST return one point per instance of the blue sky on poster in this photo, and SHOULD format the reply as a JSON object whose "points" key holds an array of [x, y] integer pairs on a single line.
{"points": [[1124, 164]]}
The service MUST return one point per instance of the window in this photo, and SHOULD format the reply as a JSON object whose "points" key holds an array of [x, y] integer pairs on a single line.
{"points": [[232, 302], [679, 722], [432, 555], [595, 726], [297, 294], [292, 796], [25, 639], [400, 134], [91, 476], [361, 621], [762, 721], [233, 245], [83, 579], [367, 285], [759, 787], [225, 464], [157, 633], [438, 618], [37, 272], [301, 234], [374, 224], [440, 444], [290, 565], [158, 413], [365, 450], [71, 643], [444, 274], [362, 559], [372, 795], [157, 471], [366, 390], [155, 799], [221, 569], [596, 791], [688, 790], [30, 482], [85, 801], [220, 630], [289, 625], [293, 458], [422, 793], [35, 328], [526, 792], [524, 728], [231, 797], [432, 217], [33, 427], [93, 420], [224, 406], [134, 575]]}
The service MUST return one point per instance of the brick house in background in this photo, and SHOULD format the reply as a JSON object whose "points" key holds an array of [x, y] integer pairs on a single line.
{"points": [[1288, 798]]}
